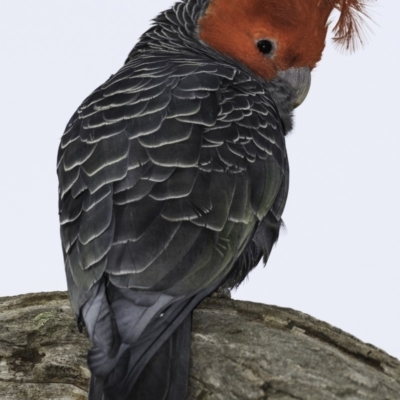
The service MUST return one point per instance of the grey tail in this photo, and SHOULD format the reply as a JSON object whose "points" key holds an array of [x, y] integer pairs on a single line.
{"points": [[96, 388], [166, 375], [154, 366]]}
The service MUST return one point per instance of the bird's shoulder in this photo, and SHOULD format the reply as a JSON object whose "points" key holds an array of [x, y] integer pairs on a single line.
{"points": [[220, 116]]}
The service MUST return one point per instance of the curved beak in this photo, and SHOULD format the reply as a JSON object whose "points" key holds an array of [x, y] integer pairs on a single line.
{"points": [[300, 80]]}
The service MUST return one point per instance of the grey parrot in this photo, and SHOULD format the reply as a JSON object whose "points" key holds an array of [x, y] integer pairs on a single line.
{"points": [[173, 176]]}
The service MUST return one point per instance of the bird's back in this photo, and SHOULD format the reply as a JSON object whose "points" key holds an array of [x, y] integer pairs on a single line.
{"points": [[173, 178]]}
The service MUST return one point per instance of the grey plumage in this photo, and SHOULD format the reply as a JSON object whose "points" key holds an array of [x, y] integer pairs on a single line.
{"points": [[173, 178]]}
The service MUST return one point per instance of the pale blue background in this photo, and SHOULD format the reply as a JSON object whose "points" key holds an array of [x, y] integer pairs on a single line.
{"points": [[340, 256]]}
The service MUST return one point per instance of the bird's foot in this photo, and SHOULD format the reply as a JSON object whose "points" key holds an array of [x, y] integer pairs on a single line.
{"points": [[221, 293]]}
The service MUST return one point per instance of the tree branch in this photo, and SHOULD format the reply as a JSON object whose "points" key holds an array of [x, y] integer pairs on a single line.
{"points": [[240, 350]]}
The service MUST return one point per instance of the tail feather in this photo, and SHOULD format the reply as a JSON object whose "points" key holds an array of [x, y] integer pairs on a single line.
{"points": [[96, 388], [166, 375], [156, 365]]}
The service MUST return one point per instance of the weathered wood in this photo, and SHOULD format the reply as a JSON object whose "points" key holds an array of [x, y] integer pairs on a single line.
{"points": [[240, 350]]}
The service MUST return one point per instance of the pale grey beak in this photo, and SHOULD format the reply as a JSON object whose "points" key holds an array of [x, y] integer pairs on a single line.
{"points": [[300, 80]]}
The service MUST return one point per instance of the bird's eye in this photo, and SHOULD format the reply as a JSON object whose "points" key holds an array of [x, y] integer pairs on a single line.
{"points": [[265, 46]]}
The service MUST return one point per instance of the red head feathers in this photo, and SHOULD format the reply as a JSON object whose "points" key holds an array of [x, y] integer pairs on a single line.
{"points": [[351, 24], [296, 28]]}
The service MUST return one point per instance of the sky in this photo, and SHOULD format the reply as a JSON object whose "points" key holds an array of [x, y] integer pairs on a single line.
{"points": [[338, 258]]}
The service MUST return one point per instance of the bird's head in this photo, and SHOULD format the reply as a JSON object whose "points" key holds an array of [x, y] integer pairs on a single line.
{"points": [[282, 38]]}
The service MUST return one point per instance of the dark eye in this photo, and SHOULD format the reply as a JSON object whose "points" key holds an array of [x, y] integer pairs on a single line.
{"points": [[265, 46]]}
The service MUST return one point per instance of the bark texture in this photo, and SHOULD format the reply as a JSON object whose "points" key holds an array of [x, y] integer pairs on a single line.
{"points": [[240, 350]]}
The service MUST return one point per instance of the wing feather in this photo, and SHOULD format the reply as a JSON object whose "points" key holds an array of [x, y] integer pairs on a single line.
{"points": [[133, 219], [164, 171], [179, 184], [136, 256]]}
